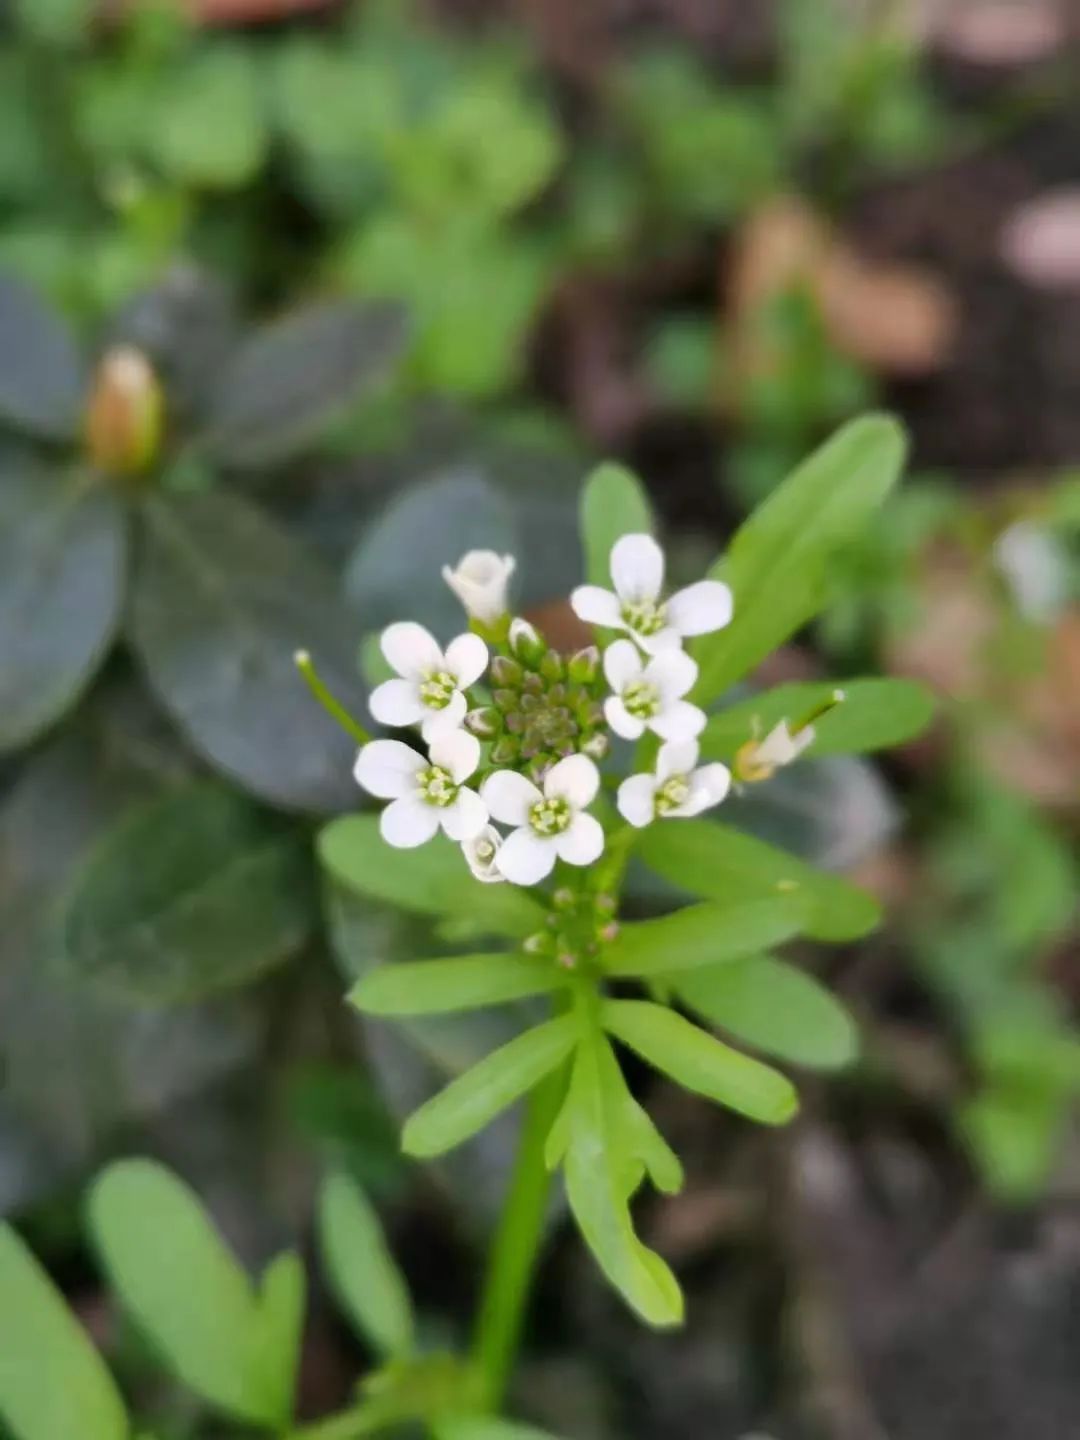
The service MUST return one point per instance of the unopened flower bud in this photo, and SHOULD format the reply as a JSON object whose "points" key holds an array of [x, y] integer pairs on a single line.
{"points": [[609, 932], [505, 751], [506, 672], [605, 904], [525, 643], [563, 899], [539, 943], [125, 415], [485, 723], [480, 581], [584, 666], [551, 666], [506, 700], [596, 746]]}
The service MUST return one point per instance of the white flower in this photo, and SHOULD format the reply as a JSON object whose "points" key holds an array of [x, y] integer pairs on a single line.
{"points": [[480, 582], [480, 853], [431, 690], [637, 606], [551, 823], [785, 742], [648, 696], [427, 794], [677, 789]]}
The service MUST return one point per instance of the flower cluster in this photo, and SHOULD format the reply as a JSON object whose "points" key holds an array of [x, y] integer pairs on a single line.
{"points": [[514, 729]]}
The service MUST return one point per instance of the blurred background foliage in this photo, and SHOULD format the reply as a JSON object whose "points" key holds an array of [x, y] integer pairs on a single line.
{"points": [[402, 272]]}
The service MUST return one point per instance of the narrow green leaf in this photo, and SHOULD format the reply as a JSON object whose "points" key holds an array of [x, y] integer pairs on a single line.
{"points": [[775, 1008], [430, 880], [362, 1272], [613, 503], [192, 893], [62, 563], [716, 862], [182, 1286], [466, 982], [779, 561], [53, 1383], [487, 1427], [296, 376], [699, 1062], [702, 935], [42, 375], [279, 1333], [473, 1100], [874, 715]]}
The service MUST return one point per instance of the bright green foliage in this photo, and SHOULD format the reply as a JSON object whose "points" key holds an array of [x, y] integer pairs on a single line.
{"points": [[487, 1427], [613, 503], [702, 935], [53, 1384], [717, 862], [466, 982], [368, 1284], [778, 565], [234, 1345], [772, 1006], [874, 715]]}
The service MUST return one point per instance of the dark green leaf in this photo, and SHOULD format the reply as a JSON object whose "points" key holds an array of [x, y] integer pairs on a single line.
{"points": [[702, 935], [613, 503], [42, 379], [62, 563], [465, 982], [223, 598], [716, 862], [182, 1286], [53, 1383], [874, 715], [701, 1063], [368, 1284], [473, 1100], [430, 880], [293, 378], [779, 561], [775, 1008], [193, 893]]}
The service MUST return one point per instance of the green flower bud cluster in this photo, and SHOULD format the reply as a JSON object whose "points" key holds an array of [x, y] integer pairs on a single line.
{"points": [[544, 706], [577, 926]]}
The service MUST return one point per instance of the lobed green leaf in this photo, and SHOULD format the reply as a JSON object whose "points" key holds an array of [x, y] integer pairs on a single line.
{"points": [[465, 982]]}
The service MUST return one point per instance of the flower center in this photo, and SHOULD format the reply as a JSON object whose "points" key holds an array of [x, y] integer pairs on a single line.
{"points": [[644, 617], [642, 699], [550, 816], [484, 851], [436, 786], [437, 689], [673, 793]]}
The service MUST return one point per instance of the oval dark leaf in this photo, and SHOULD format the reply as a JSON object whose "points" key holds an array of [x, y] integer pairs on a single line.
{"points": [[42, 379], [294, 377], [62, 563], [193, 893], [222, 600]]}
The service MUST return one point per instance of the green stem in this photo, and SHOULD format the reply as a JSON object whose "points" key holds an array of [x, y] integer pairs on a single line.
{"points": [[516, 1248]]}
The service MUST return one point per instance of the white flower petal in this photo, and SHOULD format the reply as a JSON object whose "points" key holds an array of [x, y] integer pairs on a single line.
{"points": [[666, 639], [708, 786], [407, 823], [509, 796], [456, 751], [620, 719], [575, 780], [410, 649], [678, 721], [480, 582], [595, 606], [673, 673], [677, 757], [637, 568], [483, 865], [637, 799], [525, 857], [466, 659], [387, 768], [396, 702], [465, 817], [781, 747], [622, 665], [438, 722], [581, 842], [700, 608]]}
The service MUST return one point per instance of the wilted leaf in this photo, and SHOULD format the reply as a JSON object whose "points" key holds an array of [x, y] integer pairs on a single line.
{"points": [[62, 564], [42, 376], [291, 379], [194, 893], [222, 600]]}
